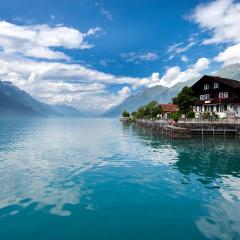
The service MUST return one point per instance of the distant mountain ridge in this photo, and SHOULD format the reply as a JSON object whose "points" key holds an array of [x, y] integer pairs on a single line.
{"points": [[16, 102], [163, 94], [67, 111]]}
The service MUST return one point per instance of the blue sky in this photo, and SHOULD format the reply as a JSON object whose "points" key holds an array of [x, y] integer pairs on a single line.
{"points": [[94, 54]]}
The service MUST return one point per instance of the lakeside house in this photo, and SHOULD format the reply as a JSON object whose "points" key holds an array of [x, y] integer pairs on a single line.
{"points": [[168, 109], [217, 95]]}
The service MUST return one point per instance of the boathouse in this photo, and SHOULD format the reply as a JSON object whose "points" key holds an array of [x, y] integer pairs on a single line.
{"points": [[217, 95]]}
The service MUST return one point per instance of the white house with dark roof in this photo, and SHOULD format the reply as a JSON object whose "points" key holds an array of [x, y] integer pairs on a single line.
{"points": [[217, 95]]}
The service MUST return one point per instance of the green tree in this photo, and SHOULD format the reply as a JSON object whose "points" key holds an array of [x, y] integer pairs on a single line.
{"points": [[185, 100], [134, 114], [151, 110], [125, 113], [140, 112]]}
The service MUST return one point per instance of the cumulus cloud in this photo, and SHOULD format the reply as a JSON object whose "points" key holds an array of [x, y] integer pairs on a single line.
{"points": [[41, 41], [175, 75], [140, 56], [148, 82], [201, 64], [221, 18], [230, 55]]}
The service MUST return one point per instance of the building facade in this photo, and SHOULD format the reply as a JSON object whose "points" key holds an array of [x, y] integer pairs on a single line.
{"points": [[217, 95]]}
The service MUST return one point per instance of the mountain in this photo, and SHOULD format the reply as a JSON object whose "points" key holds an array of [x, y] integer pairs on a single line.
{"points": [[67, 111], [163, 94], [231, 71], [134, 101], [15, 102]]}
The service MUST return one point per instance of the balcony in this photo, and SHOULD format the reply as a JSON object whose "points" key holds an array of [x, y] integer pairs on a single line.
{"points": [[219, 101]]}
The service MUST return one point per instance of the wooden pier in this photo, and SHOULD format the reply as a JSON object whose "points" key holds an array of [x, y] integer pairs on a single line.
{"points": [[165, 129], [187, 130], [210, 128]]}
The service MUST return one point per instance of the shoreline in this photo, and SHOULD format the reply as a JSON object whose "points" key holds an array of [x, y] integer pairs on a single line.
{"points": [[185, 130]]}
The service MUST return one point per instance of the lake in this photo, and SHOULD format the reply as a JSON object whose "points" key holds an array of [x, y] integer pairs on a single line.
{"points": [[99, 179]]}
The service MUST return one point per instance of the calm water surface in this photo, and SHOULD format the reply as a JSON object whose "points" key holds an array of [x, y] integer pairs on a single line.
{"points": [[96, 179]]}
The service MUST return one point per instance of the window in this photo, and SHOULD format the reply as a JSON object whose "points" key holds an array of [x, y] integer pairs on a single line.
{"points": [[206, 86], [216, 85], [225, 95], [207, 96], [202, 97]]}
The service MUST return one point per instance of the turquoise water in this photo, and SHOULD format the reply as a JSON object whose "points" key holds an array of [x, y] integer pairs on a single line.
{"points": [[96, 179]]}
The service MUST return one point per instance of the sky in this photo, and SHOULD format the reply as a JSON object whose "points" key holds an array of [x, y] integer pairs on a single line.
{"points": [[94, 54]]}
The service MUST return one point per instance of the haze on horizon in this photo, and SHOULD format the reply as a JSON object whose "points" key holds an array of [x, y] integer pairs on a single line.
{"points": [[94, 54]]}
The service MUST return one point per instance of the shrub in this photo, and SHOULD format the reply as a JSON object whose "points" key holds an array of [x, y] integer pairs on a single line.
{"points": [[215, 116], [191, 114], [206, 115], [175, 116]]}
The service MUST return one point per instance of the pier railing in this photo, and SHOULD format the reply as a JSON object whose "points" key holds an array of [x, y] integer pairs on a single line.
{"points": [[198, 120]]}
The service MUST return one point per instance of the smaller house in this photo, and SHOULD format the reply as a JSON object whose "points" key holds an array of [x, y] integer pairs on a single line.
{"points": [[168, 109]]}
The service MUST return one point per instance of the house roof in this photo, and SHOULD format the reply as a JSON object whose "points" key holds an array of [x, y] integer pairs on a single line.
{"points": [[169, 107], [229, 82]]}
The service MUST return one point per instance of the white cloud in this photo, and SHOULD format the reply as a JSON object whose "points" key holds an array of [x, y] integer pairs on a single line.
{"points": [[230, 55], [175, 75], [40, 41], [184, 58], [140, 56], [178, 48], [221, 18], [107, 14], [201, 64], [148, 82]]}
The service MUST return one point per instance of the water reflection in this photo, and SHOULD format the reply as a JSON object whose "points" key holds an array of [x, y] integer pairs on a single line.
{"points": [[212, 167]]}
